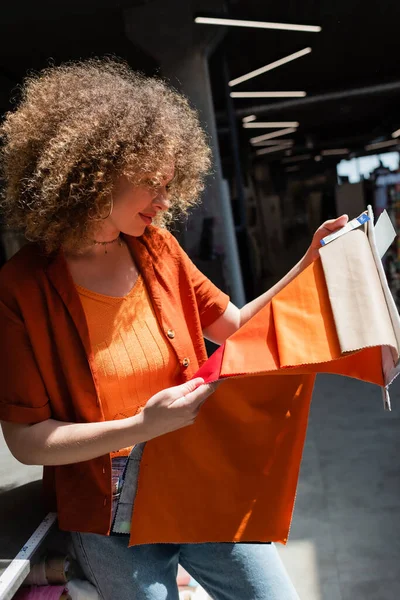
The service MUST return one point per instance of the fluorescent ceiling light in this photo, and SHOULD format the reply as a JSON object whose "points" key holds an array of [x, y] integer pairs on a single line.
{"points": [[382, 144], [335, 152], [274, 65], [257, 24], [273, 134], [275, 143], [270, 125], [249, 118], [292, 168], [297, 158], [268, 94], [396, 133], [277, 148]]}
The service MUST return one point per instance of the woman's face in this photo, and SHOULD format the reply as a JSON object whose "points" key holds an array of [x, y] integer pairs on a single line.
{"points": [[136, 205]]}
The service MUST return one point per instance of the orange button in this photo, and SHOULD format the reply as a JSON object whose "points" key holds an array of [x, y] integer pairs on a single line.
{"points": [[186, 362], [171, 333]]}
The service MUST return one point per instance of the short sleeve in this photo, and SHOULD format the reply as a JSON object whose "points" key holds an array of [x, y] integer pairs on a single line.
{"points": [[23, 397], [211, 301]]}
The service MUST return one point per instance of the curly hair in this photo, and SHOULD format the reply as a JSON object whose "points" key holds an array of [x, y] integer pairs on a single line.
{"points": [[78, 127]]}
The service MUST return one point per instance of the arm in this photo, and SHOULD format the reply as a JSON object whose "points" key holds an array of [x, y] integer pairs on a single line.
{"points": [[52, 442], [233, 317]]}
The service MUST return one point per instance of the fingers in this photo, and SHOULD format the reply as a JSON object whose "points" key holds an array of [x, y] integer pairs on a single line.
{"points": [[206, 390], [196, 398], [193, 384], [188, 387], [212, 386], [334, 224]]}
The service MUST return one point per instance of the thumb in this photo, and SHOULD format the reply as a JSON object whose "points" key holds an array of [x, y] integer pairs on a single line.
{"points": [[180, 392], [332, 225], [337, 223], [343, 219], [190, 386]]}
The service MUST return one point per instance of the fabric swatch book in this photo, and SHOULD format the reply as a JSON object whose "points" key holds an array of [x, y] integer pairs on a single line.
{"points": [[232, 476]]}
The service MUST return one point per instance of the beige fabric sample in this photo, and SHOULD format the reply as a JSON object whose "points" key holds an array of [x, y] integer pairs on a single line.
{"points": [[358, 302]]}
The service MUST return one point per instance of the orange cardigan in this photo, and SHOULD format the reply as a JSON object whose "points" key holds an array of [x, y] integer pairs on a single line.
{"points": [[47, 368]]}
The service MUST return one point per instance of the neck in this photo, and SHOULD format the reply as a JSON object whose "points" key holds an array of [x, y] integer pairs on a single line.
{"points": [[105, 234]]}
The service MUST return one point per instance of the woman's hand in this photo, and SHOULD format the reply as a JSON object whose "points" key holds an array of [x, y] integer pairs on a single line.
{"points": [[54, 442], [174, 408], [322, 231]]}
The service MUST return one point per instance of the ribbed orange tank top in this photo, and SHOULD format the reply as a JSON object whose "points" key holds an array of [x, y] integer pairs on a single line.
{"points": [[133, 359]]}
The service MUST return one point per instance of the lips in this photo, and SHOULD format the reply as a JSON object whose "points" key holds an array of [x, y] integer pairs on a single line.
{"points": [[148, 220]]}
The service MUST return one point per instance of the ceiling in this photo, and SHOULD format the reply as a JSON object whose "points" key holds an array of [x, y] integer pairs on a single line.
{"points": [[352, 76], [358, 48], [32, 35]]}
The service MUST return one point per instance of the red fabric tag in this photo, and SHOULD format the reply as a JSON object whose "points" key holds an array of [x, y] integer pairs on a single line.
{"points": [[211, 369]]}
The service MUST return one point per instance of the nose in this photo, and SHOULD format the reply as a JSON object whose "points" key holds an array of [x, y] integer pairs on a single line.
{"points": [[161, 200]]}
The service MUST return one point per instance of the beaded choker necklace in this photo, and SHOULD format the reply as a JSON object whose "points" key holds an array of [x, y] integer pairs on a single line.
{"points": [[105, 244]]}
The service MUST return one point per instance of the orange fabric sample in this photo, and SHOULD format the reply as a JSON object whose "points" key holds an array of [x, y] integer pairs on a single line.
{"points": [[235, 471]]}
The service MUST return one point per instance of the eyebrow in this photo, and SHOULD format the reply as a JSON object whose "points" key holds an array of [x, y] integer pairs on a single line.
{"points": [[162, 180], [168, 181]]}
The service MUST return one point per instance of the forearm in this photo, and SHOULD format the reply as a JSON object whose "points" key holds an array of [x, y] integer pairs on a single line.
{"points": [[54, 442], [251, 308], [233, 317]]}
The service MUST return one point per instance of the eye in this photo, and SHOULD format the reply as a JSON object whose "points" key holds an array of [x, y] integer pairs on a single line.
{"points": [[156, 184], [151, 183]]}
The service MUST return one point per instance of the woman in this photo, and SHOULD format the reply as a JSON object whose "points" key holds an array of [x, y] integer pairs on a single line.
{"points": [[103, 315]]}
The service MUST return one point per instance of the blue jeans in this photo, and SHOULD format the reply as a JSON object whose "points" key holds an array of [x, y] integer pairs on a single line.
{"points": [[226, 571]]}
